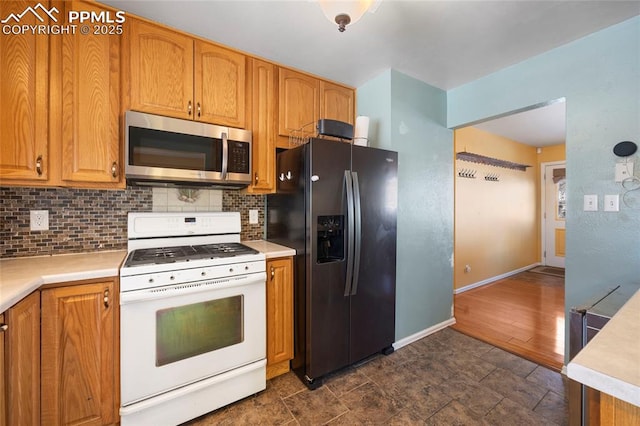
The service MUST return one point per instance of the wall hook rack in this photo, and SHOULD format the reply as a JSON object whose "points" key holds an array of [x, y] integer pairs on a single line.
{"points": [[467, 173], [481, 159], [492, 177]]}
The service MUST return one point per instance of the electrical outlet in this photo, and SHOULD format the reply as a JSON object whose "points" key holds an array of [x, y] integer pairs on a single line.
{"points": [[467, 269], [253, 217], [623, 171], [39, 220]]}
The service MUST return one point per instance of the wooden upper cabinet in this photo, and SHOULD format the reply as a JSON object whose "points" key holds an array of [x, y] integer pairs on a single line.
{"points": [[263, 125], [24, 99], [337, 102], [161, 70], [298, 102], [78, 371], [219, 85], [22, 340], [174, 75], [91, 105]]}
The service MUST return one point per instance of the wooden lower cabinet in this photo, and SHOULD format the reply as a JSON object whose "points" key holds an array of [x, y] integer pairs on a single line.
{"points": [[279, 315], [22, 340], [3, 381], [616, 412], [79, 371]]}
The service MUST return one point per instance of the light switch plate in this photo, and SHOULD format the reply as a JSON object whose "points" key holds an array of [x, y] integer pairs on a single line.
{"points": [[590, 203], [612, 203]]}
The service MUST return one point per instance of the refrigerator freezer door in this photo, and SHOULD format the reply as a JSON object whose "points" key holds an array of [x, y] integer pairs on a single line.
{"points": [[327, 308], [373, 304]]}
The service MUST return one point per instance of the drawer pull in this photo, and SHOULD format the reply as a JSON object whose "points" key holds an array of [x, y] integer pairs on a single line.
{"points": [[4, 327]]}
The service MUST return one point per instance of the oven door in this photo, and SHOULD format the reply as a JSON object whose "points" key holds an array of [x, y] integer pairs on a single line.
{"points": [[175, 335]]}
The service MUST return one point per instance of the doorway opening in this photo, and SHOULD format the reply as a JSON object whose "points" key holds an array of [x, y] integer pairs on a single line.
{"points": [[500, 293]]}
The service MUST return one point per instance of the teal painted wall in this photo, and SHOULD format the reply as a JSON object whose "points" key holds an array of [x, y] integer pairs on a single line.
{"points": [[599, 75], [409, 116]]}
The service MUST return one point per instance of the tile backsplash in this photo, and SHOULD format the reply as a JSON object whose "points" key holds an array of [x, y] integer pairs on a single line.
{"points": [[83, 220]]}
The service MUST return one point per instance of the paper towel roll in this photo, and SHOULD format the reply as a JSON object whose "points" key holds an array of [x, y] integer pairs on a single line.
{"points": [[361, 133]]}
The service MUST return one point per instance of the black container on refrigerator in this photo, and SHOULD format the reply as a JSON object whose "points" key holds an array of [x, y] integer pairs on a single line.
{"points": [[336, 204]]}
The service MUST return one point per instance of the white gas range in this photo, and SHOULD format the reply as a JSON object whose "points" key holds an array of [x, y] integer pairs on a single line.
{"points": [[192, 327]]}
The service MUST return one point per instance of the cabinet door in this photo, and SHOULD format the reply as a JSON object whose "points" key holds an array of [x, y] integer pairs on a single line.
{"points": [[263, 125], [219, 85], [78, 371], [298, 103], [90, 105], [161, 70], [279, 315], [336, 102], [3, 370], [24, 95], [23, 361]]}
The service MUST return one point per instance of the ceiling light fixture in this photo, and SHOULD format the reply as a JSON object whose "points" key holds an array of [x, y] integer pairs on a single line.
{"points": [[346, 12]]}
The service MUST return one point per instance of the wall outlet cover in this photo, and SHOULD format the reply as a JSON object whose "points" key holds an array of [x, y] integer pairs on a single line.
{"points": [[253, 217], [39, 220], [623, 171]]}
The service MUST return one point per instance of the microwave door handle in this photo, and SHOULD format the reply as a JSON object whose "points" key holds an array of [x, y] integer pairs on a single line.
{"points": [[225, 155]]}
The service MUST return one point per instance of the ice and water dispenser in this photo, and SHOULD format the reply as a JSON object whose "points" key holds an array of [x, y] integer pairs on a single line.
{"points": [[330, 238]]}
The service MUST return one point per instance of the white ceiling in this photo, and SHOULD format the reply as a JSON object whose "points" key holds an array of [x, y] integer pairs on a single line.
{"points": [[443, 43], [542, 126]]}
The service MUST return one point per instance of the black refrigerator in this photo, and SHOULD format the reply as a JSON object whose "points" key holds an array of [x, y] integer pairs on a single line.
{"points": [[336, 204]]}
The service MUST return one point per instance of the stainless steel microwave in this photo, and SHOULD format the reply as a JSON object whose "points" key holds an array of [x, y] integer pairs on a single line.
{"points": [[163, 151]]}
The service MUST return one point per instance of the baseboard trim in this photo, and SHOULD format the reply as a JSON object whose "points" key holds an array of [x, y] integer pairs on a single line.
{"points": [[424, 333], [496, 278]]}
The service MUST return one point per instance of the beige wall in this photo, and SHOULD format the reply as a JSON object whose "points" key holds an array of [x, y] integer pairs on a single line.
{"points": [[496, 223]]}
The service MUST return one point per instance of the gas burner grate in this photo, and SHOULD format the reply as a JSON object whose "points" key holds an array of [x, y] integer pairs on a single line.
{"points": [[160, 255]]}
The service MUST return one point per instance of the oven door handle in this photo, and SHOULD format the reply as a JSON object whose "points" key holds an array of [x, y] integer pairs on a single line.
{"points": [[164, 292]]}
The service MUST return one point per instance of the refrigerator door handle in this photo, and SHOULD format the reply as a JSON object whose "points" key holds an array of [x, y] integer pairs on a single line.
{"points": [[357, 213], [351, 231]]}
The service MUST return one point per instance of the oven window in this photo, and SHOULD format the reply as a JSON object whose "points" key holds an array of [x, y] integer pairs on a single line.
{"points": [[186, 331], [155, 148]]}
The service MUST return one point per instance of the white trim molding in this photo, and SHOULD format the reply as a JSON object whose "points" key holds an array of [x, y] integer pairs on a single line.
{"points": [[424, 333], [496, 278]]}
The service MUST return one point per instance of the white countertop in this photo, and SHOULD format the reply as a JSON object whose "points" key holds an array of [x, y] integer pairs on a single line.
{"points": [[610, 362], [270, 250], [20, 276]]}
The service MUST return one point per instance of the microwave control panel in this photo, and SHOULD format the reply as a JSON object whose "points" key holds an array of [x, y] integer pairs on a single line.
{"points": [[239, 157]]}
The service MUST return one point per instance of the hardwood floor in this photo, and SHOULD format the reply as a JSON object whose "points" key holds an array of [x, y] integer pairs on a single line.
{"points": [[523, 314]]}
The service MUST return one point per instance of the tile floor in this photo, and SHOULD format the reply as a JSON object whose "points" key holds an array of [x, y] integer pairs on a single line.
{"points": [[446, 378]]}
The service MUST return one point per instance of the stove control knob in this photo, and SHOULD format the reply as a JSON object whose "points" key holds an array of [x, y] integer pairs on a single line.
{"points": [[150, 280]]}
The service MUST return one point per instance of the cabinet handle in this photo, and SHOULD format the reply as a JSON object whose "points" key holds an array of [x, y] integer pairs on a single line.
{"points": [[114, 169], [273, 272], [105, 299], [39, 165], [199, 110], [4, 327], [189, 108], [256, 177]]}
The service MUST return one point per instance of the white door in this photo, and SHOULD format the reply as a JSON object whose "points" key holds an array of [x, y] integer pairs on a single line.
{"points": [[554, 214]]}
